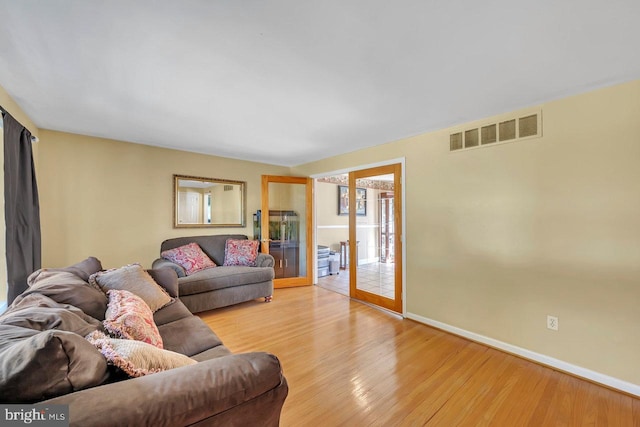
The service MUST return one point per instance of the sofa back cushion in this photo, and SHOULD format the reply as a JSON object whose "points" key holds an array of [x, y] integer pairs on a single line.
{"points": [[40, 365], [213, 245], [82, 269], [65, 287], [135, 279], [41, 313], [85, 268]]}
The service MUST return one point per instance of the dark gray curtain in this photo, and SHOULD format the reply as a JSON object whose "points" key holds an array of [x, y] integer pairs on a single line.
{"points": [[21, 207]]}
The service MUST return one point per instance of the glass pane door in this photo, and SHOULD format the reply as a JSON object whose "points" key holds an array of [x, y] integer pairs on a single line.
{"points": [[376, 250], [286, 221]]}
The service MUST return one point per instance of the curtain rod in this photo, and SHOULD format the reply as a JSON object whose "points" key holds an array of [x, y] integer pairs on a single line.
{"points": [[33, 137]]}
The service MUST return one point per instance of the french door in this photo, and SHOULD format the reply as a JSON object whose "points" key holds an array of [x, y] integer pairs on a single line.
{"points": [[286, 228], [375, 245]]}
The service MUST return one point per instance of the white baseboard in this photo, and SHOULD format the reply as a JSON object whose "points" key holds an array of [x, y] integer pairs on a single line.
{"points": [[560, 365]]}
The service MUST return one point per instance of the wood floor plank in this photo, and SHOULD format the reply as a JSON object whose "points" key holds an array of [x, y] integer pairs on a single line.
{"points": [[350, 364], [519, 408], [483, 395], [636, 411]]}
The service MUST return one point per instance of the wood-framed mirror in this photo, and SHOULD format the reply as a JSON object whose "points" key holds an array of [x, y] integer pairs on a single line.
{"points": [[208, 202]]}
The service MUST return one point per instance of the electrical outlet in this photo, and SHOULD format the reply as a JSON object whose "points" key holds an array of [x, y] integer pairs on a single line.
{"points": [[552, 323]]}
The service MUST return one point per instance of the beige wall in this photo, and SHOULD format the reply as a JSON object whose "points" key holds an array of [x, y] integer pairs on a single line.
{"points": [[114, 200], [226, 205], [331, 227], [368, 230], [501, 236]]}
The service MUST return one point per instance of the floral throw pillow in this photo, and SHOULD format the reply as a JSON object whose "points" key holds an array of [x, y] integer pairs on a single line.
{"points": [[129, 317], [241, 252], [136, 358], [190, 257]]}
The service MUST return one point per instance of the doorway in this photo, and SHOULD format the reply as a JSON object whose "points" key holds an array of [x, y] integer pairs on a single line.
{"points": [[364, 234], [372, 280]]}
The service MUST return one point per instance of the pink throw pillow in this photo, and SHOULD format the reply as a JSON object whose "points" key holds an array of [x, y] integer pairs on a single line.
{"points": [[129, 317], [190, 257], [241, 252]]}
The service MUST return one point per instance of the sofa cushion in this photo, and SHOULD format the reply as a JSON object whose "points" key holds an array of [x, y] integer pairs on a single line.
{"points": [[137, 358], [224, 277], [134, 279], [176, 310], [85, 268], [188, 336], [82, 269], [241, 252], [190, 257], [212, 353], [41, 313], [39, 365], [65, 287], [129, 317]]}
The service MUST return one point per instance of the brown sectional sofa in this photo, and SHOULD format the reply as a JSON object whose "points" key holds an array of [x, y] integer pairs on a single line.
{"points": [[223, 285], [222, 389]]}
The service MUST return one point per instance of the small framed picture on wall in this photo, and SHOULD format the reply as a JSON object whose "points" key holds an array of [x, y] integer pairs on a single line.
{"points": [[343, 201]]}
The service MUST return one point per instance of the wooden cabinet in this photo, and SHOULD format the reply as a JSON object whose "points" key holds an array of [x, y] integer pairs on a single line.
{"points": [[284, 245], [286, 255]]}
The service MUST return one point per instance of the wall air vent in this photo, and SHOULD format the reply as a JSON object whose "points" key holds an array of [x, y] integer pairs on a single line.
{"points": [[508, 129], [455, 141], [228, 188], [489, 134], [528, 126], [471, 138]]}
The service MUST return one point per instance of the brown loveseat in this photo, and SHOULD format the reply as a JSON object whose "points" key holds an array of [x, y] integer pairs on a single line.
{"points": [[223, 285], [222, 389]]}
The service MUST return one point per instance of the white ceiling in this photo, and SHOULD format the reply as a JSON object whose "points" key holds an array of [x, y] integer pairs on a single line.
{"points": [[287, 82]]}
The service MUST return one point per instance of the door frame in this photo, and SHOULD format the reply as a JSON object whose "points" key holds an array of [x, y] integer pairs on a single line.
{"points": [[401, 231], [289, 282]]}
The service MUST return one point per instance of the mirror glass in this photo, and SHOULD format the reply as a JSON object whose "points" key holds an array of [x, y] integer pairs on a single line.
{"points": [[208, 202]]}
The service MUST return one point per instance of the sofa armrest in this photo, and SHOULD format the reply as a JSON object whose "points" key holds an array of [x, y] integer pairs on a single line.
{"points": [[265, 260], [165, 263], [184, 396], [165, 277]]}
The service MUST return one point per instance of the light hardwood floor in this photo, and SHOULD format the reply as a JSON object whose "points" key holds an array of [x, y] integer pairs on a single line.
{"points": [[348, 364]]}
